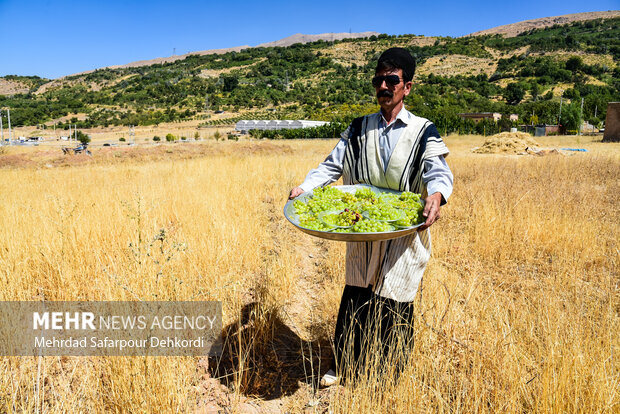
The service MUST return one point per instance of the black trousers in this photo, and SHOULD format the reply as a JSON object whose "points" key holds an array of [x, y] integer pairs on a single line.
{"points": [[371, 331]]}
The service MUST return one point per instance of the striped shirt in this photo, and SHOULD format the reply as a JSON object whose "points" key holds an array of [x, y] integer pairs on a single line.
{"points": [[406, 155]]}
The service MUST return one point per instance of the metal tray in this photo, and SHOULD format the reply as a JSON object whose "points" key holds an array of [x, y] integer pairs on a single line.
{"points": [[289, 213]]}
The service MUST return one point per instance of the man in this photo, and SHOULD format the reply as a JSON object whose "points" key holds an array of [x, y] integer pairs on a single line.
{"points": [[391, 149]]}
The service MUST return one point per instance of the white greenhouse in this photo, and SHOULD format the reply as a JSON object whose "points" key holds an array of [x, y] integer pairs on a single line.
{"points": [[244, 126]]}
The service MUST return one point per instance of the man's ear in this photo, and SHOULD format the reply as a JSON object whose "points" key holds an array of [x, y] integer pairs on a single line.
{"points": [[408, 87]]}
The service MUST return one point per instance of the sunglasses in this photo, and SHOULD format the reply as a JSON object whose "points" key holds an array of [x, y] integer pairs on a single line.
{"points": [[391, 80]]}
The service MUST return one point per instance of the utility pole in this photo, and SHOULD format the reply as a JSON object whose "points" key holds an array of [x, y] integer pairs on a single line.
{"points": [[132, 134], [8, 114], [581, 117], [1, 130], [560, 116], [75, 131]]}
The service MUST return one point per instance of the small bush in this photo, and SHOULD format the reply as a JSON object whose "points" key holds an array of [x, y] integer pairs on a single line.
{"points": [[121, 139], [170, 138], [156, 138]]}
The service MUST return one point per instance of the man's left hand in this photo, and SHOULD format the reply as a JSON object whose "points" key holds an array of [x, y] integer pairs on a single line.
{"points": [[431, 210]]}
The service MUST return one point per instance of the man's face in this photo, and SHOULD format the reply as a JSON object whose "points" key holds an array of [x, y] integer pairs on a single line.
{"points": [[390, 95]]}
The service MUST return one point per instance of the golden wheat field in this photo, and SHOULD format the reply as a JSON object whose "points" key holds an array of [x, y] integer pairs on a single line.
{"points": [[519, 310]]}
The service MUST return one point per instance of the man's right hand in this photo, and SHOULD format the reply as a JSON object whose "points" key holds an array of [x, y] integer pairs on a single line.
{"points": [[295, 192]]}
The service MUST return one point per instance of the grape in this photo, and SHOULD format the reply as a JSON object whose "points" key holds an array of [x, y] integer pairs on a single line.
{"points": [[330, 209]]}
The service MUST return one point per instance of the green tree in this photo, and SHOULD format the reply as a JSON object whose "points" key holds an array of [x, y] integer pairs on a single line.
{"points": [[574, 64], [170, 137], [535, 90], [514, 93], [570, 116], [230, 83], [82, 137]]}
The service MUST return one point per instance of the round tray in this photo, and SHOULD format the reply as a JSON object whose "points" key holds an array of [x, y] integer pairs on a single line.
{"points": [[289, 213]]}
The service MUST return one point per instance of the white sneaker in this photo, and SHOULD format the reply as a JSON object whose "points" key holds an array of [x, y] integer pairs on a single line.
{"points": [[329, 379]]}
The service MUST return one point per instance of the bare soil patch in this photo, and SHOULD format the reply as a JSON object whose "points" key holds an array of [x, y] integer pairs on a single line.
{"points": [[113, 155], [10, 87]]}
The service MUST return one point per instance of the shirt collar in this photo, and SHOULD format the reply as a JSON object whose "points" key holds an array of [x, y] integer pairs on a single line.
{"points": [[403, 116]]}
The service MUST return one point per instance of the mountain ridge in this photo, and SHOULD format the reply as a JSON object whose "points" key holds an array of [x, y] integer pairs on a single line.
{"points": [[287, 41], [514, 29]]}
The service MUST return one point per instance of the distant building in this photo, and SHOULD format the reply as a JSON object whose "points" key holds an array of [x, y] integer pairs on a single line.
{"points": [[587, 128], [541, 130], [494, 116], [244, 126]]}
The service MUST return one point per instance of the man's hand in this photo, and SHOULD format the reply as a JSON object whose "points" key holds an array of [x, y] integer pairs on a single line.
{"points": [[297, 191], [431, 210]]}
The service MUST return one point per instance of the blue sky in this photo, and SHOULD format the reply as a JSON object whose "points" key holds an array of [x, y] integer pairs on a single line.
{"points": [[52, 38]]}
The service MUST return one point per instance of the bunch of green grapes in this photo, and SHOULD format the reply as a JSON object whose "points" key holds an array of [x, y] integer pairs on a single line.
{"points": [[389, 198], [327, 193], [363, 205], [412, 217], [318, 205], [300, 207], [325, 199], [349, 199], [384, 212], [371, 226], [408, 195], [366, 193], [312, 222]]}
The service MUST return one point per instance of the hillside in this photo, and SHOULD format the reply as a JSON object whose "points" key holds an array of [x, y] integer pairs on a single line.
{"points": [[514, 29], [329, 80]]}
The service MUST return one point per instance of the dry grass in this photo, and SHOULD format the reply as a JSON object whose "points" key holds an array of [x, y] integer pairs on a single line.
{"points": [[519, 311]]}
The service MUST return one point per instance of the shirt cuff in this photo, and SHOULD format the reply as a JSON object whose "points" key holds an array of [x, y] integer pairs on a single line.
{"points": [[306, 187], [438, 187]]}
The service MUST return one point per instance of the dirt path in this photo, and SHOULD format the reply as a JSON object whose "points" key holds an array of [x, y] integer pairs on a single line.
{"points": [[287, 361]]}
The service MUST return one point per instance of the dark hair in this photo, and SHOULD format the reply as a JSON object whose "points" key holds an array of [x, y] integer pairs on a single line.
{"points": [[397, 58]]}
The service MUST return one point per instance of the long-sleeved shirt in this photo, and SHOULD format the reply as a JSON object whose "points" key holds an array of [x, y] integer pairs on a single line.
{"points": [[437, 175]]}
